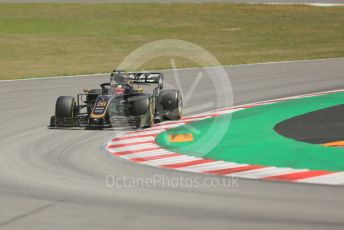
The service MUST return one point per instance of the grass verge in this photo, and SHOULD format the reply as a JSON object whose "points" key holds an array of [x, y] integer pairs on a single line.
{"points": [[65, 39]]}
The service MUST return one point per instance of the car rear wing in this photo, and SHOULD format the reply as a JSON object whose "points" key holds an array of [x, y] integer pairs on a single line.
{"points": [[138, 77], [146, 78]]}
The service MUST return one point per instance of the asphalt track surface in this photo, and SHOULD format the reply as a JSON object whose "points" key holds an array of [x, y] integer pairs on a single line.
{"points": [[53, 179], [180, 1], [317, 127]]}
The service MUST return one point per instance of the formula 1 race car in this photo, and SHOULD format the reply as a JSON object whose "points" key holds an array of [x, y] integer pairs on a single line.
{"points": [[120, 102]]}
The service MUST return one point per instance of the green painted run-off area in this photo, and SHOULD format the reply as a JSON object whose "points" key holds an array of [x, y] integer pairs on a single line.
{"points": [[249, 137]]}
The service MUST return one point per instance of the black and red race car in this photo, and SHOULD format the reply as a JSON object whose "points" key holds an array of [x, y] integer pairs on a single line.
{"points": [[120, 102]]}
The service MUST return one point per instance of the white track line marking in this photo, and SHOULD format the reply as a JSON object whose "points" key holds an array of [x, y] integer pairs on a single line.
{"points": [[228, 111], [229, 166], [333, 179], [324, 4], [195, 119], [187, 68], [201, 167], [265, 172], [168, 126], [137, 134], [126, 150], [218, 165], [135, 147]]}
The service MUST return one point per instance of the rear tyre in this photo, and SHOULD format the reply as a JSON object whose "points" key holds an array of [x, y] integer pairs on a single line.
{"points": [[141, 105], [143, 108], [170, 104]]}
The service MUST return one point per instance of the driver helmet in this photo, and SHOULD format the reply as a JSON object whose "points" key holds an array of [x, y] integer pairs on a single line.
{"points": [[118, 89]]}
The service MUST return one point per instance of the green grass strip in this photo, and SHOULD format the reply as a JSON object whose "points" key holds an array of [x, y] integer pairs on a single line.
{"points": [[250, 138]]}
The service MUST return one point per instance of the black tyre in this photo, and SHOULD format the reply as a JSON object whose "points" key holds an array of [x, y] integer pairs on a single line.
{"points": [[65, 107], [170, 104], [141, 105]]}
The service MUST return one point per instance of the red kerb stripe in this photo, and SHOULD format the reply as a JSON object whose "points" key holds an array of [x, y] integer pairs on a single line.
{"points": [[298, 175], [141, 159], [196, 117], [130, 144], [134, 151], [189, 163], [233, 170], [133, 137]]}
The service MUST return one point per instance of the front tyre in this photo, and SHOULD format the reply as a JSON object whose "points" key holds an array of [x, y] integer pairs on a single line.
{"points": [[65, 111]]}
